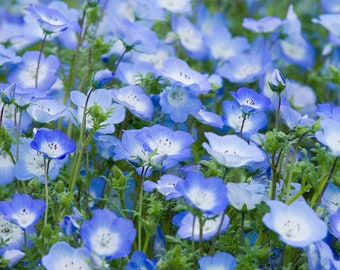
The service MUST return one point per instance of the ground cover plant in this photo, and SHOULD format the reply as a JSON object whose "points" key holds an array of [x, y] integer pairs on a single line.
{"points": [[167, 134]]}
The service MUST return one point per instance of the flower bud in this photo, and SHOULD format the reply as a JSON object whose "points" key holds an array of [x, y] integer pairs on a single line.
{"points": [[102, 77], [277, 82]]}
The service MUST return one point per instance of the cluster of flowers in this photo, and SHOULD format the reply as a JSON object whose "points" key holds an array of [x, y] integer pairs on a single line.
{"points": [[133, 156]]}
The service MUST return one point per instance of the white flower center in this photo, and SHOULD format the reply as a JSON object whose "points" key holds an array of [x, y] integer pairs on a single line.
{"points": [[24, 217], [10, 231], [104, 241]]}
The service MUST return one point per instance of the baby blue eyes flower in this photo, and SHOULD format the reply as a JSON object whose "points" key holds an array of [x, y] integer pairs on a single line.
{"points": [[51, 20], [329, 135], [102, 78], [320, 256], [264, 25], [63, 256], [107, 235], [179, 102], [207, 194], [231, 150], [166, 185], [23, 210], [220, 261], [12, 232], [277, 81], [297, 224], [53, 144], [140, 261]]}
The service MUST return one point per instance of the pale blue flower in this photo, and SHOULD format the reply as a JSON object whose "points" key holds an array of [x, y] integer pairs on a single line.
{"points": [[296, 224], [320, 256], [13, 233], [139, 260], [166, 185], [220, 261], [265, 25], [206, 194], [329, 135], [62, 256], [174, 6], [108, 235]]}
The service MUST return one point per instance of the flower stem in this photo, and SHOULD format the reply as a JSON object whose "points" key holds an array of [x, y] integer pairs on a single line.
{"points": [[39, 59], [278, 112], [46, 169], [243, 122], [140, 208]]}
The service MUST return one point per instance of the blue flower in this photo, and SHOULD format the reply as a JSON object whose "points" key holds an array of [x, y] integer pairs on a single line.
{"points": [[51, 20], [179, 101], [166, 185], [107, 235], [63, 256], [7, 168], [189, 226], [265, 25], [231, 150], [46, 110], [329, 135], [220, 261], [69, 225], [134, 98], [23, 210], [207, 194], [320, 256], [334, 220], [250, 101], [277, 81], [13, 233], [297, 224], [173, 6], [140, 261], [102, 77], [53, 144]]}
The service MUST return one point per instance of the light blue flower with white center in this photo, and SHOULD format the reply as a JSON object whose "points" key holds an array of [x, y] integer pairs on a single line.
{"points": [[23, 210], [329, 135], [331, 198], [250, 101], [179, 102], [190, 37], [294, 119], [231, 150], [334, 220], [235, 118], [166, 185], [242, 195], [320, 256], [209, 195], [13, 233], [173, 145], [8, 56], [13, 256], [7, 168], [176, 7], [220, 261], [189, 225], [134, 98], [62, 256], [176, 70], [296, 224], [108, 235], [265, 25], [209, 118], [46, 110], [139, 260], [328, 110], [53, 144], [31, 163]]}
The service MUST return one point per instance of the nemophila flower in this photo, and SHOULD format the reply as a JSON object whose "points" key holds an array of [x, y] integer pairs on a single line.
{"points": [[231, 150], [190, 37], [69, 225], [293, 118], [207, 194], [179, 102], [132, 73], [139, 260], [297, 224], [334, 220], [265, 25], [295, 48], [13, 256], [159, 243], [330, 6], [331, 198], [220, 261], [176, 70], [102, 98], [102, 78], [107, 235], [7, 168], [235, 118], [105, 144], [13, 233], [247, 67], [149, 10], [250, 101], [24, 75], [23, 210], [277, 82], [51, 20], [246, 195], [175, 145], [174, 6], [63, 256], [189, 225], [320, 256], [8, 56], [329, 135], [53, 144], [134, 98], [328, 110], [46, 110], [166, 185], [135, 35], [209, 118], [330, 22], [31, 163]]}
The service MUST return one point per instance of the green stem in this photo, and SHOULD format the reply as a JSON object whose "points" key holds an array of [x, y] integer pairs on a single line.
{"points": [[39, 59], [213, 244], [242, 229], [140, 208], [243, 122], [201, 224], [278, 112], [46, 169]]}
